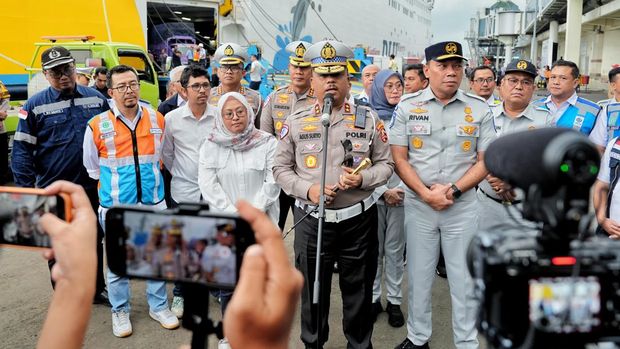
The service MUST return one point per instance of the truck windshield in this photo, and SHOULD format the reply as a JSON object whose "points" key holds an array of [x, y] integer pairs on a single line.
{"points": [[139, 62]]}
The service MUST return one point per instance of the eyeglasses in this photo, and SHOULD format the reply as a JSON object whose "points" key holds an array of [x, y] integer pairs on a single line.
{"points": [[58, 72], [230, 114], [197, 86], [482, 81], [231, 68], [392, 87], [512, 82], [134, 86]]}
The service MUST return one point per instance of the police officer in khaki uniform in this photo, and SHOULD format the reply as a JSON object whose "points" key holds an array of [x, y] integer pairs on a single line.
{"points": [[438, 137], [231, 58], [350, 229], [286, 100], [514, 114]]}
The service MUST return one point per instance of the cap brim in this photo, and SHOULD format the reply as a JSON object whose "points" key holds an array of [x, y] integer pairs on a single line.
{"points": [[299, 63], [329, 69], [230, 60], [446, 57], [520, 71], [58, 62]]}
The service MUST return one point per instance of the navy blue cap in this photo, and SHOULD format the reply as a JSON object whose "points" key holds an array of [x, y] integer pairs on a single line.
{"points": [[442, 51], [523, 66]]}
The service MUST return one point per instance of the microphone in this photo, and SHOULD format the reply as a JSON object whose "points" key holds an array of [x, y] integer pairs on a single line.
{"points": [[328, 104], [549, 157]]}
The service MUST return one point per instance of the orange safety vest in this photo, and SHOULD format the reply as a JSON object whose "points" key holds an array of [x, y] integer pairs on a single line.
{"points": [[129, 161]]}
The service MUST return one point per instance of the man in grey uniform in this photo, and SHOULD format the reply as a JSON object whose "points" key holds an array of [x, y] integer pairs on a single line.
{"points": [[231, 58], [285, 101], [350, 229], [438, 137], [514, 114]]}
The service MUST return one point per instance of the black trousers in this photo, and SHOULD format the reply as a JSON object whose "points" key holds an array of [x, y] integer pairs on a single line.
{"points": [[353, 244], [286, 202], [93, 196]]}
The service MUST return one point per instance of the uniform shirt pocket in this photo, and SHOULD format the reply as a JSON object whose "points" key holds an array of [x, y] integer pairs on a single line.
{"points": [[466, 139], [55, 130], [310, 154]]}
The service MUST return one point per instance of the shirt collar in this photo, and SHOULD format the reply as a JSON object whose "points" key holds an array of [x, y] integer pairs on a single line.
{"points": [[427, 95], [117, 113], [571, 100], [180, 100], [56, 93], [187, 112], [499, 110]]}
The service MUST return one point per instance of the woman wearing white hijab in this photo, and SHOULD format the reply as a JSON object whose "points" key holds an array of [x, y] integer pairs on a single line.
{"points": [[236, 160]]}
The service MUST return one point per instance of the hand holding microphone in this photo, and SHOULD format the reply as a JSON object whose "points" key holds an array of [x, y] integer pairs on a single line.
{"points": [[352, 177]]}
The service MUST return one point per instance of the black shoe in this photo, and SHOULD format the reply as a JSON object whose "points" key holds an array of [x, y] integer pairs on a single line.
{"points": [[441, 271], [376, 309], [407, 344], [102, 298], [395, 316]]}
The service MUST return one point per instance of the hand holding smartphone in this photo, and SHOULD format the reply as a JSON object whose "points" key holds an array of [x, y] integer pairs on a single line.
{"points": [[20, 212], [177, 245]]}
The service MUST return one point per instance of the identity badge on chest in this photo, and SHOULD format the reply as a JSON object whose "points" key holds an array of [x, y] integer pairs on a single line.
{"points": [[418, 128]]}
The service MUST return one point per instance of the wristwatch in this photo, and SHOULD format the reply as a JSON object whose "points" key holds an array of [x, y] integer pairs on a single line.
{"points": [[456, 192]]}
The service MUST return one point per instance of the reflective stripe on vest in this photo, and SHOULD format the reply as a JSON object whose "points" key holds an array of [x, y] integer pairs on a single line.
{"points": [[580, 117], [612, 112]]}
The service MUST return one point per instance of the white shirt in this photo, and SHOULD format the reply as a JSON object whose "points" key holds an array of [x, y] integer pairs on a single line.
{"points": [[183, 136], [600, 133], [604, 175], [180, 100], [363, 97], [256, 70], [225, 176], [557, 111]]}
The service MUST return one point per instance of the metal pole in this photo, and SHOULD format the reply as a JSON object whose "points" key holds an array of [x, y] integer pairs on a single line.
{"points": [[316, 299], [534, 45]]}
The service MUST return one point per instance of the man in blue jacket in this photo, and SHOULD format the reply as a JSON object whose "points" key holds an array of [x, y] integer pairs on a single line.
{"points": [[48, 142], [568, 110]]}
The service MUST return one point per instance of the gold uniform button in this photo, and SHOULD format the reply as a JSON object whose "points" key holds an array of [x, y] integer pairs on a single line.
{"points": [[417, 143], [466, 146]]}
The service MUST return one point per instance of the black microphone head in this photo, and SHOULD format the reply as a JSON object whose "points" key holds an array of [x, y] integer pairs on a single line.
{"points": [[548, 157], [328, 97]]}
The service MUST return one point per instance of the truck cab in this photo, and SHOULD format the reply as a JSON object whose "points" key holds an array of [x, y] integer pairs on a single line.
{"points": [[92, 54]]}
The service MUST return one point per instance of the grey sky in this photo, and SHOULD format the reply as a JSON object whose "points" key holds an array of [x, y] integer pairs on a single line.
{"points": [[450, 18]]}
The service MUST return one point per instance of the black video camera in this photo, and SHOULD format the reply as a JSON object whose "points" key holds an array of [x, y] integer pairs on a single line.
{"points": [[559, 289]]}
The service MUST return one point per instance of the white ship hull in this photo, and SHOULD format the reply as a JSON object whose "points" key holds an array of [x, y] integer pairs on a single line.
{"points": [[383, 27]]}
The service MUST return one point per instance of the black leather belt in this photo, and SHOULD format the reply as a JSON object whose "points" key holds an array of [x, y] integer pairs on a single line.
{"points": [[500, 201]]}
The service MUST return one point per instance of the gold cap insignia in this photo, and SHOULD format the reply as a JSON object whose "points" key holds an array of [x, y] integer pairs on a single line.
{"points": [[228, 51], [300, 50], [328, 51], [522, 65], [451, 48]]}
